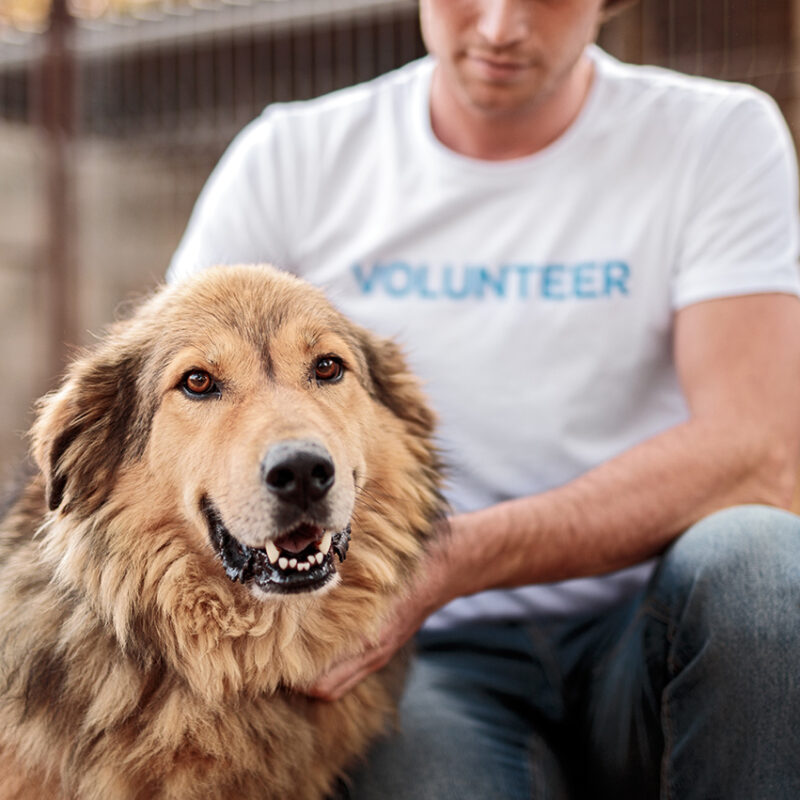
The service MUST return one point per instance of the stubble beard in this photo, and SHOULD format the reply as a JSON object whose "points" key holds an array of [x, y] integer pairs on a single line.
{"points": [[507, 100]]}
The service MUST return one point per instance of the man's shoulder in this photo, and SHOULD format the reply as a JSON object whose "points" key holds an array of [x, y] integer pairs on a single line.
{"points": [[354, 104], [662, 91]]}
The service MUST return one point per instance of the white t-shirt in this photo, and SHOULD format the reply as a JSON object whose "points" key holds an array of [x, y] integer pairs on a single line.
{"points": [[535, 297]]}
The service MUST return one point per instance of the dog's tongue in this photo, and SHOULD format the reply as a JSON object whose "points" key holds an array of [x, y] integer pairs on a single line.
{"points": [[299, 539]]}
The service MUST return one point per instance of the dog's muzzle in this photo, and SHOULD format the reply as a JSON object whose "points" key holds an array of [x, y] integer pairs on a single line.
{"points": [[299, 561], [298, 474]]}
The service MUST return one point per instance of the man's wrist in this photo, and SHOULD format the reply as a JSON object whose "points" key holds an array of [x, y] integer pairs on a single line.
{"points": [[443, 576]]}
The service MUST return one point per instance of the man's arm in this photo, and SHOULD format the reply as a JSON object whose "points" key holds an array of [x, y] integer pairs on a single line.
{"points": [[738, 360]]}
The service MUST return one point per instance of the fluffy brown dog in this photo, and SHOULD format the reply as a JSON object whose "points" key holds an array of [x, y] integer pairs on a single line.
{"points": [[169, 581]]}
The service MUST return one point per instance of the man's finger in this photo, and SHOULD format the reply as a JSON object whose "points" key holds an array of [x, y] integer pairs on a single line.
{"points": [[327, 686], [343, 677]]}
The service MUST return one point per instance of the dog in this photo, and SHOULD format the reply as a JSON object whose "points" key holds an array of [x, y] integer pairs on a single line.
{"points": [[233, 487]]}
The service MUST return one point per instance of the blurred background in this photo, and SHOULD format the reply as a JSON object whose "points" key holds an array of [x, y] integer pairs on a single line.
{"points": [[113, 113]]}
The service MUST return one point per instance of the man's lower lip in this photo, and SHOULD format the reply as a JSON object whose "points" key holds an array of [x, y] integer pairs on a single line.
{"points": [[495, 69]]}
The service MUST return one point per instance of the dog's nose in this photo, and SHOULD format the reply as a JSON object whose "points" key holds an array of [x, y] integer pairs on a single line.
{"points": [[298, 471]]}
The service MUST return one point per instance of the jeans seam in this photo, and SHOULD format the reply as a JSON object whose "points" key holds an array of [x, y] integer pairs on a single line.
{"points": [[547, 658], [534, 774], [658, 611], [667, 726], [650, 609]]}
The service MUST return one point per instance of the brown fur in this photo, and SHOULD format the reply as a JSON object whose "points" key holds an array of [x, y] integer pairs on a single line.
{"points": [[131, 666]]}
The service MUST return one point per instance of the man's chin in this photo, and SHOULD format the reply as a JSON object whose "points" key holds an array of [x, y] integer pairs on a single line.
{"points": [[494, 91], [499, 100]]}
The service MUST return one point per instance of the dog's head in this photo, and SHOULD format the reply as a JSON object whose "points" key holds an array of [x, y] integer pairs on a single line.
{"points": [[242, 412]]}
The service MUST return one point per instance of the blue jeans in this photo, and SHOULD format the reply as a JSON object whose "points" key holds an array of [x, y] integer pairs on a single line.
{"points": [[690, 691]]}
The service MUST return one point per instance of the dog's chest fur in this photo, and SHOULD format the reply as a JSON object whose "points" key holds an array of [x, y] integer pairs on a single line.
{"points": [[80, 703]]}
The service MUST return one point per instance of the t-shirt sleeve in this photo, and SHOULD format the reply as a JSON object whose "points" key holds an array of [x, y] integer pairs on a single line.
{"points": [[741, 233], [240, 215]]}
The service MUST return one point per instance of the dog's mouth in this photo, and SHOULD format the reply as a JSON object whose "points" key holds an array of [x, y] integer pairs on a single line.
{"points": [[298, 561]]}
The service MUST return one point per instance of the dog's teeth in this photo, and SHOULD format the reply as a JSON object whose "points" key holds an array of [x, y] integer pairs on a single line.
{"points": [[319, 557], [273, 554], [312, 558], [292, 562], [283, 562], [325, 544]]}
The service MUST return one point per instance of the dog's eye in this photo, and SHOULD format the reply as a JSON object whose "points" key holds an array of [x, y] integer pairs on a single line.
{"points": [[199, 383], [328, 369]]}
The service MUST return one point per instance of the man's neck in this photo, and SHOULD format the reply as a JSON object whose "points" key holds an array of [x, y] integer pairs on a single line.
{"points": [[499, 136]]}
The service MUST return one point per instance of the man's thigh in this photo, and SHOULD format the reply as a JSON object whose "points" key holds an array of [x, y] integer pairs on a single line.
{"points": [[477, 722]]}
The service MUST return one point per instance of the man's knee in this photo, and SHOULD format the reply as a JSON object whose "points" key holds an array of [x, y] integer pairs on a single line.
{"points": [[746, 541], [738, 569]]}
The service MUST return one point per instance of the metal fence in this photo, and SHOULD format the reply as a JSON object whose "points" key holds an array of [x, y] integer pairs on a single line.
{"points": [[108, 133]]}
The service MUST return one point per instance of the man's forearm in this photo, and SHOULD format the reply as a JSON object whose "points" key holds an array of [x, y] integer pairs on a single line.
{"points": [[617, 515]]}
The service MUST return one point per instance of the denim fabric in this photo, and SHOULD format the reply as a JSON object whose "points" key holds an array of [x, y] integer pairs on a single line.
{"points": [[689, 691]]}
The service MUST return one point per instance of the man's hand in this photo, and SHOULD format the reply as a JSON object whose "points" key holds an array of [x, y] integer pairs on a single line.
{"points": [[346, 674], [426, 596]]}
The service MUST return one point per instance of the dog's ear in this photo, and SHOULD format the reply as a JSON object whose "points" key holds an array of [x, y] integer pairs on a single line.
{"points": [[394, 385], [86, 428], [398, 389]]}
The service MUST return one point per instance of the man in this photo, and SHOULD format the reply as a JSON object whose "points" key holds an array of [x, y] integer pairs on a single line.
{"points": [[593, 267]]}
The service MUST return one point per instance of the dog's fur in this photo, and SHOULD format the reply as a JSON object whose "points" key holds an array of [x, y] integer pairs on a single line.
{"points": [[131, 665]]}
